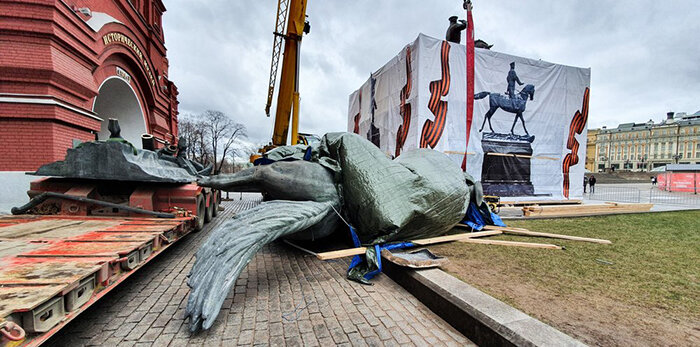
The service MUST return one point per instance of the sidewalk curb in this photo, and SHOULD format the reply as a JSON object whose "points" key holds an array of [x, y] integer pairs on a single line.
{"points": [[480, 317]]}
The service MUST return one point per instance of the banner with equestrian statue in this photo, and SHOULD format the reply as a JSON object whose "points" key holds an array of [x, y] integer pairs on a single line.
{"points": [[528, 133]]}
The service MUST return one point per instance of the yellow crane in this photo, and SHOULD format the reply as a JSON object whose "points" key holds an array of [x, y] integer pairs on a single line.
{"points": [[292, 14]]}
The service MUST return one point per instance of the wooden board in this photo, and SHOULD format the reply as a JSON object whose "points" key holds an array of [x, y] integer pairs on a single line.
{"points": [[48, 229], [455, 237], [25, 298], [85, 249], [421, 242], [539, 202], [521, 156], [525, 232], [25, 271], [584, 210], [512, 243], [558, 236], [115, 236], [140, 228], [10, 248]]}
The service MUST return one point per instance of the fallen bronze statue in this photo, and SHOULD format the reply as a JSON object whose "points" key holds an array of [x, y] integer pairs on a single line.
{"points": [[421, 193]]}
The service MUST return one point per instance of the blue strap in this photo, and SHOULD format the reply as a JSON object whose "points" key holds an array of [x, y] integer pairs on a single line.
{"points": [[474, 219], [307, 154], [497, 221], [378, 251], [357, 260], [371, 274]]}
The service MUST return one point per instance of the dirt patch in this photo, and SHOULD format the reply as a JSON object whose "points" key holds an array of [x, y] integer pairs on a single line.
{"points": [[643, 289], [593, 319]]}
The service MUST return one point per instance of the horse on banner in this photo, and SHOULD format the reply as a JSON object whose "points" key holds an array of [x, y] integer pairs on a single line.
{"points": [[516, 105]]}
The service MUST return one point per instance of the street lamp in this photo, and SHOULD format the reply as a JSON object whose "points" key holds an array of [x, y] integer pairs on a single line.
{"points": [[642, 159], [677, 157], [604, 159]]}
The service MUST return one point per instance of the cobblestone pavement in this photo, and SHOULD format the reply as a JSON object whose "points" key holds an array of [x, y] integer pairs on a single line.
{"points": [[284, 297]]}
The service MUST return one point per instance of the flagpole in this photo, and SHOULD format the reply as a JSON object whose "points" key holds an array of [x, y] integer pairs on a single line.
{"points": [[470, 77]]}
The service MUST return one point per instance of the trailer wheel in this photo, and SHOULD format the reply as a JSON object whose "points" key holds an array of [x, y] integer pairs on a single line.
{"points": [[215, 203], [201, 212], [209, 214]]}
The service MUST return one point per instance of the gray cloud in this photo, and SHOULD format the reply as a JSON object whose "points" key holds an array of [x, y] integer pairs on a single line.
{"points": [[643, 54]]}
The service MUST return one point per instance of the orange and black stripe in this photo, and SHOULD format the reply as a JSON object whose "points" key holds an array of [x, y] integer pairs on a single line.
{"points": [[432, 129], [578, 124], [356, 129], [404, 108]]}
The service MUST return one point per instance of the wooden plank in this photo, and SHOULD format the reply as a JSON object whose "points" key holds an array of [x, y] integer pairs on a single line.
{"points": [[458, 152], [341, 253], [540, 202], [25, 298], [557, 236], [585, 209], [421, 242], [512, 243], [526, 232], [488, 227], [520, 156], [53, 228], [455, 237]]}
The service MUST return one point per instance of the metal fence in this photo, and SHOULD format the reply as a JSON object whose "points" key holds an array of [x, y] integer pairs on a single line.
{"points": [[617, 194], [658, 196], [652, 195]]}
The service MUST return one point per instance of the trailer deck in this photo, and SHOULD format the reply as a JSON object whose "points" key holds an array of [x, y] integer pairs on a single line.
{"points": [[53, 267]]}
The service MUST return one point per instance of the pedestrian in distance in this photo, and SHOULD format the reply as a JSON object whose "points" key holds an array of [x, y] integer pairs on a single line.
{"points": [[653, 181], [585, 183], [591, 183]]}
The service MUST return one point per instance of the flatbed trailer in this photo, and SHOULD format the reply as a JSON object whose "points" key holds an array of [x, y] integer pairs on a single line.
{"points": [[53, 267]]}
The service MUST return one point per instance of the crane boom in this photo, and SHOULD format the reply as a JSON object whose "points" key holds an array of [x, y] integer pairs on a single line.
{"points": [[288, 97], [282, 7]]}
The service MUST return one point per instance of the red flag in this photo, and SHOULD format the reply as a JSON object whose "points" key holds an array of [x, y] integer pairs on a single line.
{"points": [[470, 77]]}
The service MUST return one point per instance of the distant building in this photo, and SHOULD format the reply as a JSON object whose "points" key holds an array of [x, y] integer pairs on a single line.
{"points": [[644, 146], [590, 150]]}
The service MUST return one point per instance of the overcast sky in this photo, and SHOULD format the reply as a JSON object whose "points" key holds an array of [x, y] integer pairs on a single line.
{"points": [[644, 55]]}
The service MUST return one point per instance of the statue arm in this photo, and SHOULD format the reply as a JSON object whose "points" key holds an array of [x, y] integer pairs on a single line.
{"points": [[462, 25]]}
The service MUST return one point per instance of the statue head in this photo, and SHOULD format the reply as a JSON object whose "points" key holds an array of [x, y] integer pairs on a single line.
{"points": [[114, 128], [512, 65], [181, 143], [529, 91], [453, 19]]}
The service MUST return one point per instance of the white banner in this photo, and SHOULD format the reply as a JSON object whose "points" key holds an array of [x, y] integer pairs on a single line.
{"points": [[418, 99]]}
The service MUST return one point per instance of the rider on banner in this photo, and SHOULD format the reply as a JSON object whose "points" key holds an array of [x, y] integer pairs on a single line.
{"points": [[512, 78]]}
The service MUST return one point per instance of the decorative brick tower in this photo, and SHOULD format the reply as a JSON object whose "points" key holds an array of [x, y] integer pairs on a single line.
{"points": [[66, 66]]}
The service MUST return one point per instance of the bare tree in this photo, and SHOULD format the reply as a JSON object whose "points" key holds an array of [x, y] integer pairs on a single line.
{"points": [[223, 133], [191, 127], [212, 137]]}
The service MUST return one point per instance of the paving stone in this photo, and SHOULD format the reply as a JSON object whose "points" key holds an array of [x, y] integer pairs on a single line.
{"points": [[293, 341], [383, 333], [282, 298], [277, 341], [163, 340], [245, 337], [151, 335]]}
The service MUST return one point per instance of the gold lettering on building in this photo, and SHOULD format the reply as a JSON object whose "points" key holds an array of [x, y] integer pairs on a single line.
{"points": [[119, 38]]}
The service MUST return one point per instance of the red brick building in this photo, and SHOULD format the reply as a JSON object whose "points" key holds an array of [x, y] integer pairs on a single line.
{"points": [[68, 65]]}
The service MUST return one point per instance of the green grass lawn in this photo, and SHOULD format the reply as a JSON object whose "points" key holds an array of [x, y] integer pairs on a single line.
{"points": [[655, 261]]}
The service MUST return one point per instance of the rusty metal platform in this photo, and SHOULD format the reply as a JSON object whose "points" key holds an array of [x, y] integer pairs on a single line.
{"points": [[53, 267]]}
